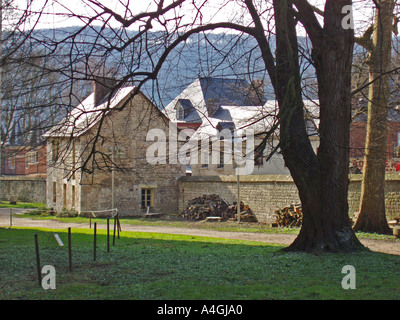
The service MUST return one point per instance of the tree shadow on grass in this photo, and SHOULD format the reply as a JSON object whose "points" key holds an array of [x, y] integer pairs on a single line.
{"points": [[164, 266]]}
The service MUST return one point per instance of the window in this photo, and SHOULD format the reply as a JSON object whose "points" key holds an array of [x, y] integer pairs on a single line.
{"points": [[73, 197], [54, 155], [147, 197], [73, 159], [258, 159], [180, 112], [33, 157], [55, 192], [204, 149], [65, 195], [221, 155], [11, 162]]}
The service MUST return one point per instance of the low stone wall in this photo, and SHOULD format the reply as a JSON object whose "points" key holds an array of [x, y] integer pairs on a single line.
{"points": [[266, 193], [23, 188]]}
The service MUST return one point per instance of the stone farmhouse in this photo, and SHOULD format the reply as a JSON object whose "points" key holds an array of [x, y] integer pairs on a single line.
{"points": [[98, 156], [209, 105], [111, 133]]}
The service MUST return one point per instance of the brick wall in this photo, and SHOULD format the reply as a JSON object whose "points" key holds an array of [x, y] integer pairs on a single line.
{"points": [[266, 193]]}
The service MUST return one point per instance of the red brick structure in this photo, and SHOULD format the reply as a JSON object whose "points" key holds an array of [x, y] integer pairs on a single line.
{"points": [[19, 160], [357, 144]]}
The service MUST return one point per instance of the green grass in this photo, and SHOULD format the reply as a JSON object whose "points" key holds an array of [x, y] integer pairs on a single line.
{"points": [[218, 226], [162, 266], [22, 205]]}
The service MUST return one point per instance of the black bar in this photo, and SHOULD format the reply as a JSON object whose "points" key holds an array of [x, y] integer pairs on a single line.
{"points": [[69, 249], [115, 221], [119, 225], [94, 249], [108, 234], [38, 260]]}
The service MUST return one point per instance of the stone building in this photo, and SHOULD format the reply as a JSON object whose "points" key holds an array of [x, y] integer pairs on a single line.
{"points": [[210, 106], [23, 161], [97, 156]]}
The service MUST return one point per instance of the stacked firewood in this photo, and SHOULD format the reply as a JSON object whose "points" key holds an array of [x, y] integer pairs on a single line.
{"points": [[291, 216], [205, 206], [246, 215], [213, 206]]}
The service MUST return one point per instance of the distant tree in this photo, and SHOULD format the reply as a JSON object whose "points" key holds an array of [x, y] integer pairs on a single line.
{"points": [[377, 40]]}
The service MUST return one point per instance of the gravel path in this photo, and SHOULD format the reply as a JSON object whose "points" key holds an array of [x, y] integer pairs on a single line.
{"points": [[385, 246]]}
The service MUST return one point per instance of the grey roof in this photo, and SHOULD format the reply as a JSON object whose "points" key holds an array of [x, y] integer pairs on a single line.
{"points": [[231, 92], [87, 114], [204, 97]]}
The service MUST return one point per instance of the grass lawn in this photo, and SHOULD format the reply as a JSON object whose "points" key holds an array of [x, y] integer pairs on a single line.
{"points": [[219, 226], [160, 266], [22, 205]]}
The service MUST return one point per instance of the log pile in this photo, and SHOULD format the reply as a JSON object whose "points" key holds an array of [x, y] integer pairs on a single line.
{"points": [[291, 216], [205, 206], [246, 215], [212, 205]]}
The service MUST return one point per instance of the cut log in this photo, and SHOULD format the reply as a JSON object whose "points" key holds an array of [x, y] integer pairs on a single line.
{"points": [[213, 206], [290, 216]]}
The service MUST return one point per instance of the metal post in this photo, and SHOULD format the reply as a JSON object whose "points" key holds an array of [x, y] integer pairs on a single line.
{"points": [[113, 181], [10, 217], [94, 242], [238, 197], [118, 224], [1, 49], [108, 234], [115, 223], [38, 260], [69, 249]]}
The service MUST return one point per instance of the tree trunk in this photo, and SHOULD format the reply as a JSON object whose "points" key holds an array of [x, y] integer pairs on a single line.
{"points": [[322, 180], [372, 216]]}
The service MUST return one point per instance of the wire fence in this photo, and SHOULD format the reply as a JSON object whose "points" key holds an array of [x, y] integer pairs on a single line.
{"points": [[42, 251]]}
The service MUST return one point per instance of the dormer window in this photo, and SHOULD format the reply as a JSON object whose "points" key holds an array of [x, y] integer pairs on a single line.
{"points": [[180, 112]]}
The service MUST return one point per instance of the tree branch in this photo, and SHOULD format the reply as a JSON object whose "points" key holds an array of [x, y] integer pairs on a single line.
{"points": [[306, 15], [365, 40], [258, 33]]}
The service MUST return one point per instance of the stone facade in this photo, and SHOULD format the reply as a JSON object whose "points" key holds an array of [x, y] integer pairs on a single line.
{"points": [[266, 193], [120, 164], [23, 188]]}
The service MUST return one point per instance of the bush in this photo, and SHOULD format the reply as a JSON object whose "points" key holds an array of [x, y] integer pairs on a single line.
{"points": [[44, 212], [67, 213]]}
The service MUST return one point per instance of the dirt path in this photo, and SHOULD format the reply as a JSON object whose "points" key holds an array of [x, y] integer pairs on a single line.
{"points": [[385, 246]]}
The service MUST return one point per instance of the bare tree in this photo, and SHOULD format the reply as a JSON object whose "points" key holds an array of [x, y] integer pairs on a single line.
{"points": [[321, 179], [377, 40]]}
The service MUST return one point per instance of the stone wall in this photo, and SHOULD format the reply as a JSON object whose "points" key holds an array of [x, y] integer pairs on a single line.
{"points": [[266, 193], [23, 188], [123, 145]]}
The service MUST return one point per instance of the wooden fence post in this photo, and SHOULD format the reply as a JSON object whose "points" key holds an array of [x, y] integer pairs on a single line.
{"points": [[115, 222], [69, 249], [119, 225], [108, 234], [94, 249], [38, 260]]}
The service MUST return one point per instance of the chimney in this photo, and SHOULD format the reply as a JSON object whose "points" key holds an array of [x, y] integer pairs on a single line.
{"points": [[101, 87]]}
